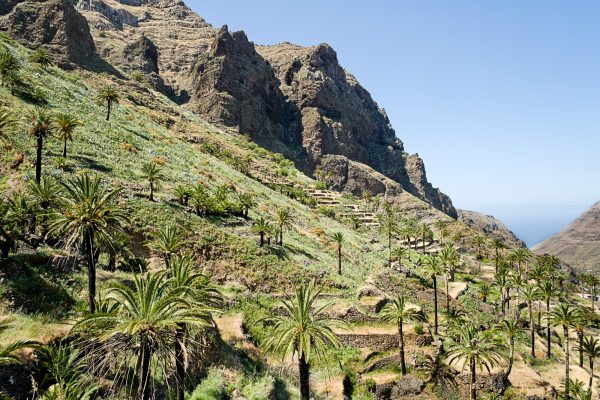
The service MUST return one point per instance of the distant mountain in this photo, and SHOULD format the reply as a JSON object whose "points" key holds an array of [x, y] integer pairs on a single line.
{"points": [[578, 243], [490, 226]]}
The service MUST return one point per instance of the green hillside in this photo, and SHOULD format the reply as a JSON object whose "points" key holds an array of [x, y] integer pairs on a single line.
{"points": [[44, 292]]}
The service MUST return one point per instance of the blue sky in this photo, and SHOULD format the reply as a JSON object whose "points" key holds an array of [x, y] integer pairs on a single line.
{"points": [[500, 98]]}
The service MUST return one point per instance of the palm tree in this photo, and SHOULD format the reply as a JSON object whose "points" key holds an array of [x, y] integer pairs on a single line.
{"points": [[591, 348], [397, 252], [521, 256], [40, 57], [511, 328], [153, 173], [388, 224], [546, 291], [109, 95], [475, 349], [45, 195], [143, 326], [9, 65], [338, 239], [530, 295], [398, 311], [261, 227], [448, 257], [90, 213], [6, 123], [40, 127], [203, 297], [564, 315], [498, 245], [485, 289], [283, 218], [433, 267], [584, 316], [590, 279], [167, 240], [303, 331], [65, 125], [426, 233], [7, 351], [478, 241], [246, 201], [441, 225], [182, 194]]}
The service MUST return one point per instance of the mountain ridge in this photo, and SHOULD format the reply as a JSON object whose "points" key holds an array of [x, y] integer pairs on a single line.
{"points": [[578, 243], [294, 100]]}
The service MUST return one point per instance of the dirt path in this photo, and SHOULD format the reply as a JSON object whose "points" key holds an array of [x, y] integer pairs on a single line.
{"points": [[455, 289]]}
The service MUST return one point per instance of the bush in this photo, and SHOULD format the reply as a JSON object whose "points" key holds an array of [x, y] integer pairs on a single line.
{"points": [[134, 264], [419, 329], [326, 211], [320, 185], [213, 387], [260, 389]]}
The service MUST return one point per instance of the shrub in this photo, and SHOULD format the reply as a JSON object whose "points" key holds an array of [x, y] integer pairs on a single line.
{"points": [[326, 211], [213, 387], [259, 389], [419, 330], [134, 264], [320, 185]]}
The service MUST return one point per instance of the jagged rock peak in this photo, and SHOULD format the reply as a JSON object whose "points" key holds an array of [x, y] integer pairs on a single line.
{"points": [[54, 24]]}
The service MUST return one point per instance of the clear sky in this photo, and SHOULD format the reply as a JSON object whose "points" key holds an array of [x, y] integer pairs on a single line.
{"points": [[500, 98]]}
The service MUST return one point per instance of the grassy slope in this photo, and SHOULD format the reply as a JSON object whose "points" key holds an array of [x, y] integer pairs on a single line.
{"points": [[147, 126]]}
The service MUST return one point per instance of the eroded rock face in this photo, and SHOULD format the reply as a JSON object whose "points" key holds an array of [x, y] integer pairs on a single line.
{"points": [[54, 24], [294, 100], [490, 226]]}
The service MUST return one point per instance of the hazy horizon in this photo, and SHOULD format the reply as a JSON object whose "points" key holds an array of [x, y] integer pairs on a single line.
{"points": [[499, 99]]}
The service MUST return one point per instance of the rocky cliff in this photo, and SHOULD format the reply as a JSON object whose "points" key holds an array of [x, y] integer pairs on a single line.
{"points": [[578, 243], [490, 226], [53, 24], [295, 100]]}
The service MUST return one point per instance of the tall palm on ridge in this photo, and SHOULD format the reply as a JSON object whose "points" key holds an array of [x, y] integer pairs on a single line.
{"points": [[39, 127], [433, 267], [564, 315], [205, 299], [65, 125], [90, 213], [303, 330], [398, 311], [143, 327], [475, 349]]}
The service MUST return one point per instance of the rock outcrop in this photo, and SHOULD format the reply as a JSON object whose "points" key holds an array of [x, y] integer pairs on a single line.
{"points": [[490, 226], [578, 243], [294, 100], [54, 24]]}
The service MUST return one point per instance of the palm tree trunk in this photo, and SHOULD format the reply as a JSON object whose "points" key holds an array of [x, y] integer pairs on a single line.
{"points": [[65, 148], [151, 191], [339, 260], [89, 247], [389, 251], [401, 345], [539, 313], [143, 392], [511, 356], [304, 369], [281, 236], [593, 296], [262, 239], [591, 378], [548, 350], [38, 158], [532, 328], [473, 383], [580, 339], [180, 360], [435, 306], [566, 340], [496, 260], [108, 107], [447, 293]]}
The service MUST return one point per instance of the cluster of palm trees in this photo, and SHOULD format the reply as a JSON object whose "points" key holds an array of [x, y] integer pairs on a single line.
{"points": [[223, 200], [396, 227], [273, 230]]}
